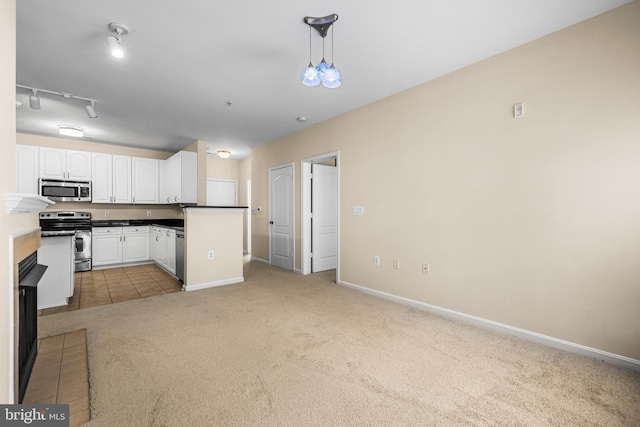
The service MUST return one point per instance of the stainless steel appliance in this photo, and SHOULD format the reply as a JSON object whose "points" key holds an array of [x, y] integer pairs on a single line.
{"points": [[180, 254], [76, 224], [65, 191]]}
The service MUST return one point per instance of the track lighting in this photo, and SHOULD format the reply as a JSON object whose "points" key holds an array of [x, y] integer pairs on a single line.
{"points": [[115, 42], [34, 100], [329, 76], [91, 110]]}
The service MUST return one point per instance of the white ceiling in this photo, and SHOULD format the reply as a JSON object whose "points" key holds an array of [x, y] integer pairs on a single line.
{"points": [[185, 60]]}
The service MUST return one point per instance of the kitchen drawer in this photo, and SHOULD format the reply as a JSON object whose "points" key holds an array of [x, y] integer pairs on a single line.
{"points": [[106, 230], [137, 229]]}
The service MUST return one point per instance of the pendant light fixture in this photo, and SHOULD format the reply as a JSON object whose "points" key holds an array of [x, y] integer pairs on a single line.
{"points": [[328, 75], [331, 78], [310, 74], [115, 42]]}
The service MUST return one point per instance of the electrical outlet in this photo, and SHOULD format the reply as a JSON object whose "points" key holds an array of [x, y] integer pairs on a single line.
{"points": [[210, 254], [376, 260], [518, 110], [425, 268], [396, 264], [148, 213], [106, 214]]}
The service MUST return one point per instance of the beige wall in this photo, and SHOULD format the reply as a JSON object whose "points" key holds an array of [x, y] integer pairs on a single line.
{"points": [[73, 144], [10, 224], [200, 148], [7, 185], [218, 168], [530, 222], [243, 177], [216, 230]]}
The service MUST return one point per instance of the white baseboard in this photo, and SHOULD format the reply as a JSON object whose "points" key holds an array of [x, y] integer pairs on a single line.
{"points": [[259, 260], [612, 358], [126, 264], [207, 285]]}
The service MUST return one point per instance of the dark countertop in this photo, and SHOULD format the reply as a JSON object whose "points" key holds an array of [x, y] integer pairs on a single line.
{"points": [[216, 207], [170, 222]]}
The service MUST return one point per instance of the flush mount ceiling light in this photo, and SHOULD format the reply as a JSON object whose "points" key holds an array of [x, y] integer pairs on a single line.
{"points": [[34, 99], [329, 76], [71, 131], [224, 154], [115, 42]]}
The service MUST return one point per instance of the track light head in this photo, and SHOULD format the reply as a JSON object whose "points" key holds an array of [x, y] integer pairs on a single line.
{"points": [[91, 112], [34, 100], [115, 42]]}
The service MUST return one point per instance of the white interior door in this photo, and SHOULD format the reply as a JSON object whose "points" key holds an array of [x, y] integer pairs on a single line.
{"points": [[281, 221], [324, 220]]}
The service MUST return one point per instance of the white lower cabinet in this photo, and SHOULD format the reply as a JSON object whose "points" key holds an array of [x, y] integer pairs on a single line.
{"points": [[119, 245], [135, 246], [163, 243], [106, 246]]}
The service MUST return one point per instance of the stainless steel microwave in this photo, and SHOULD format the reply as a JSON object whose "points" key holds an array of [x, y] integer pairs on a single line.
{"points": [[65, 191]]}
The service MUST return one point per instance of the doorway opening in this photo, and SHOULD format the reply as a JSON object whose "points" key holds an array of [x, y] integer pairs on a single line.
{"points": [[324, 223]]}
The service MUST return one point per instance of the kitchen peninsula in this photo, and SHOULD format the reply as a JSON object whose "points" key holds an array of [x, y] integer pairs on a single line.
{"points": [[213, 246], [213, 243]]}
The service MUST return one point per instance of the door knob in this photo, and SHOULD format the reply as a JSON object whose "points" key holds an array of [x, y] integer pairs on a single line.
{"points": [[271, 222]]}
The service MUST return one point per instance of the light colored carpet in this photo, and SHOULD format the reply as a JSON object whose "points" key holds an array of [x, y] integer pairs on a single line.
{"points": [[282, 349]]}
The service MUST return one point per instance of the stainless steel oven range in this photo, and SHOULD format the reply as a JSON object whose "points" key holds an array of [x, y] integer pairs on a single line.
{"points": [[76, 224]]}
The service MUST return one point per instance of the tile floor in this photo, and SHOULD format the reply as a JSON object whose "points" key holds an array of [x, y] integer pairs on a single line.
{"points": [[60, 375], [100, 287]]}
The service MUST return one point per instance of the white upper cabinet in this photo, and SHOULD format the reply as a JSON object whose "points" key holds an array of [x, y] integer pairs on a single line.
{"points": [[78, 165], [144, 180], [57, 163], [122, 179], [102, 181], [181, 178], [111, 178], [27, 169]]}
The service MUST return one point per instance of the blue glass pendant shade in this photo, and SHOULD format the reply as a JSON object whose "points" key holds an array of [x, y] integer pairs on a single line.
{"points": [[322, 69], [332, 78], [310, 76]]}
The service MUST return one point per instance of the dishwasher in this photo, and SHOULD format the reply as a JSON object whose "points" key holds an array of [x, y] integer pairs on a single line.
{"points": [[180, 254]]}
